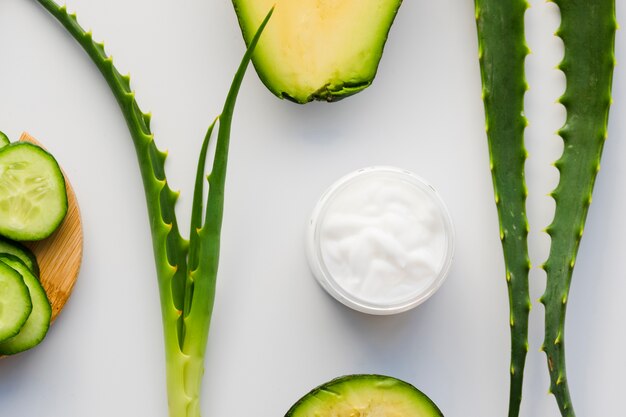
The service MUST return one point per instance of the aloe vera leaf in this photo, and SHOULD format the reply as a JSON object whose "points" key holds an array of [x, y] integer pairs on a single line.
{"points": [[502, 52], [184, 367], [198, 321], [588, 33], [198, 203], [196, 220], [170, 249]]}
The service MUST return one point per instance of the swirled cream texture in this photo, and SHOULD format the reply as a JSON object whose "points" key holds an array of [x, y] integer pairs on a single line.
{"points": [[383, 238]]}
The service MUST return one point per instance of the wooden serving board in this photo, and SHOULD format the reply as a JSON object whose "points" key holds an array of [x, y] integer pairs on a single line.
{"points": [[60, 255]]}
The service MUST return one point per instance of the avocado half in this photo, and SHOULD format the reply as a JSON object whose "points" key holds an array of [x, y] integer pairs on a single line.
{"points": [[365, 396], [317, 49]]}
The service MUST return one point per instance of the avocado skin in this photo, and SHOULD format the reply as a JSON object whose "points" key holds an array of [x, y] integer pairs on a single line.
{"points": [[328, 94], [360, 378]]}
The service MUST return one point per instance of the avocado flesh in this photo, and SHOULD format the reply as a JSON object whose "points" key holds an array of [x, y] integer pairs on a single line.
{"points": [[365, 396], [317, 49]]}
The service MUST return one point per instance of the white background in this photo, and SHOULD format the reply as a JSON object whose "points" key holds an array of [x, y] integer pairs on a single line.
{"points": [[275, 333]]}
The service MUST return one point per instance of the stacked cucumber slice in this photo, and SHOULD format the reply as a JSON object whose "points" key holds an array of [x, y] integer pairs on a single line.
{"points": [[4, 140], [33, 203]]}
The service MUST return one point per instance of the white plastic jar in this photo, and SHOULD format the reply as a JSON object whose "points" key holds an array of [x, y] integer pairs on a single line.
{"points": [[380, 240]]}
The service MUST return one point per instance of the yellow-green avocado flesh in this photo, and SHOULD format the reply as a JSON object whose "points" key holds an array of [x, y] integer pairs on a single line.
{"points": [[317, 49], [365, 396]]}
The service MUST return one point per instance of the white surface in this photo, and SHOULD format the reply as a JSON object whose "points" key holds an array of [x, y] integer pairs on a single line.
{"points": [[276, 333]]}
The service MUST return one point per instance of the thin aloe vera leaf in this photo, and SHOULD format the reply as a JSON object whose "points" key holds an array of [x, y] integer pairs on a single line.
{"points": [[502, 52], [588, 33], [198, 321], [197, 209]]}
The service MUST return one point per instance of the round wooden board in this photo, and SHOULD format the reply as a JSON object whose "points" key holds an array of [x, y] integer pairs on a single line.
{"points": [[60, 255]]}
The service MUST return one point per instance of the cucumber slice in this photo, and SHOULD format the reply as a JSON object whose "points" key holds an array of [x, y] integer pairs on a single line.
{"points": [[38, 323], [365, 396], [9, 247], [15, 303], [4, 140], [33, 200]]}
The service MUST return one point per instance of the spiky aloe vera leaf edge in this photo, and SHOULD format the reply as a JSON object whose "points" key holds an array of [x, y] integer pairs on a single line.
{"points": [[170, 249], [588, 33], [502, 52], [168, 245], [184, 369]]}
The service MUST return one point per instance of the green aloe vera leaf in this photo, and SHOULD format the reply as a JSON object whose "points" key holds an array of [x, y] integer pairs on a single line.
{"points": [[197, 322], [588, 33], [196, 221], [170, 249], [502, 52], [184, 346], [198, 204]]}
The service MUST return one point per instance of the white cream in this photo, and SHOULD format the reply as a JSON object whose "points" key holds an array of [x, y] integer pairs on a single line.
{"points": [[384, 238]]}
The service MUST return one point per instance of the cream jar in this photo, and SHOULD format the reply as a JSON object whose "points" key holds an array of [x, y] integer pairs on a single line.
{"points": [[380, 240]]}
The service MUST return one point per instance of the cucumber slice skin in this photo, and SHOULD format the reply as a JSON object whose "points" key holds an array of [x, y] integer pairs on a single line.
{"points": [[9, 247], [36, 326], [15, 302], [51, 212], [327, 399], [4, 140]]}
